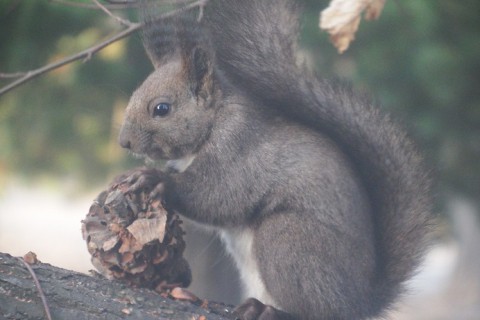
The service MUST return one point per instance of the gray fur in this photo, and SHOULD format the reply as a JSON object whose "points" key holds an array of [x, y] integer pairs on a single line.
{"points": [[333, 192]]}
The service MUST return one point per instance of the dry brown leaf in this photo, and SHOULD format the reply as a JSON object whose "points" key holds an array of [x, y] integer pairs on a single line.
{"points": [[30, 257], [342, 18], [183, 294]]}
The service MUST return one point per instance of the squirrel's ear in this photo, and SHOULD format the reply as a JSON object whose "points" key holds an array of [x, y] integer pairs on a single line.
{"points": [[200, 72]]}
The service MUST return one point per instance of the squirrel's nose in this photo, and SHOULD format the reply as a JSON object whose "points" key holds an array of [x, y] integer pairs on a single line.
{"points": [[125, 144], [124, 140]]}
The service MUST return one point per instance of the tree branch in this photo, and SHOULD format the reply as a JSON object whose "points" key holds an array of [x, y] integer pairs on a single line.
{"points": [[88, 53], [72, 295]]}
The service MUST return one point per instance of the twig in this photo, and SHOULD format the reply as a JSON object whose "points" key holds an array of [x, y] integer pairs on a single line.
{"points": [[39, 288], [124, 22], [12, 75], [121, 1], [85, 54], [113, 5], [88, 53], [110, 6]]}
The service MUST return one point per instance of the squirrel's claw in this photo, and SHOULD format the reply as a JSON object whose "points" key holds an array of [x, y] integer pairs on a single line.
{"points": [[252, 309], [157, 190], [146, 178]]}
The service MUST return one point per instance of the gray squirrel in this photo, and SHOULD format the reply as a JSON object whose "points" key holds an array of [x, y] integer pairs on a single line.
{"points": [[321, 199]]}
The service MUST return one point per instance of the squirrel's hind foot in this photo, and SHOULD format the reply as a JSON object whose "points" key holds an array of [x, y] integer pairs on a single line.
{"points": [[252, 309]]}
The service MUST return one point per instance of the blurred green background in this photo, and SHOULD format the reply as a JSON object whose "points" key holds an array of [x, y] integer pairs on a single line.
{"points": [[64, 123], [421, 60]]}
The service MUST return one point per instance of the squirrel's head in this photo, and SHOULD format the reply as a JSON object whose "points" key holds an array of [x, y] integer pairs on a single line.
{"points": [[171, 114]]}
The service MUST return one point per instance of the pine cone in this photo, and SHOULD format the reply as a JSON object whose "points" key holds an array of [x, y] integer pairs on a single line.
{"points": [[135, 239]]}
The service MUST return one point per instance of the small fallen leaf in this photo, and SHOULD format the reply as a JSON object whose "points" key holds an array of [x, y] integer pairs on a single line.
{"points": [[30, 258], [183, 294]]}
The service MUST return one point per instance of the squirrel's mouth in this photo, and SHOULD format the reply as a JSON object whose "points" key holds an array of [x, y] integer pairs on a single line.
{"points": [[150, 156], [156, 154], [171, 165]]}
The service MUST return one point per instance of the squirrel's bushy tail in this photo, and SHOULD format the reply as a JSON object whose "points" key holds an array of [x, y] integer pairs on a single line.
{"points": [[255, 43]]}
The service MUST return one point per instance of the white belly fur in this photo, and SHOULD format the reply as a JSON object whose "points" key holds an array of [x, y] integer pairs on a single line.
{"points": [[239, 243]]}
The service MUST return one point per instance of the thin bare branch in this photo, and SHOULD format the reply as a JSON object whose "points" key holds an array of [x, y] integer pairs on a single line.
{"points": [[39, 288], [85, 54], [110, 6], [12, 75], [88, 53], [113, 5], [122, 21], [121, 1]]}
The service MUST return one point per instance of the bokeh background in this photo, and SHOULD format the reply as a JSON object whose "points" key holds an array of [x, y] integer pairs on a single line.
{"points": [[58, 133]]}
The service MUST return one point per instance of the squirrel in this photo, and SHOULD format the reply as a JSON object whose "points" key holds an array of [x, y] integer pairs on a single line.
{"points": [[319, 196]]}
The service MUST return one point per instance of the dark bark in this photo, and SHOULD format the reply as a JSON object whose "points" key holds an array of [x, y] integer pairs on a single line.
{"points": [[72, 295]]}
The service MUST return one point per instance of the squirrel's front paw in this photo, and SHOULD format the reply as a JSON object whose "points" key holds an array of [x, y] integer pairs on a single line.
{"points": [[148, 179], [252, 309]]}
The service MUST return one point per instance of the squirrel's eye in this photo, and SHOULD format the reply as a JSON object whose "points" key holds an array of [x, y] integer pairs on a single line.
{"points": [[161, 109]]}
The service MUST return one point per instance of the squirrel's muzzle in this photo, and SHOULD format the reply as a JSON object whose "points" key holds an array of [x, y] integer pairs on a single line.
{"points": [[124, 139]]}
